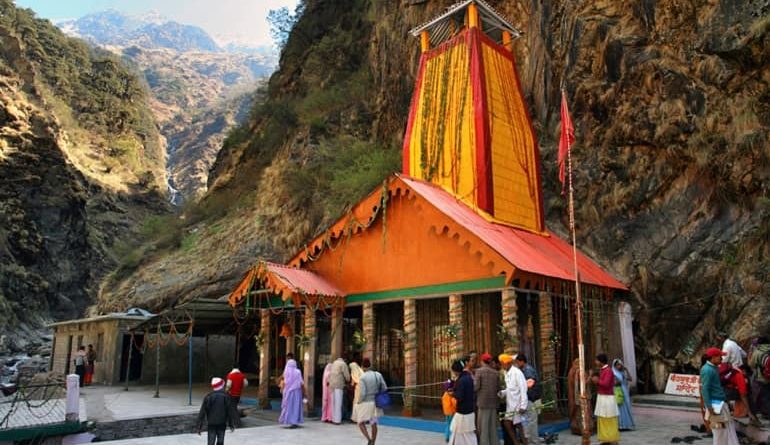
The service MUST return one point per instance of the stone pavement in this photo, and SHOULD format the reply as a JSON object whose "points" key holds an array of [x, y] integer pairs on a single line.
{"points": [[107, 403], [314, 432], [655, 426]]}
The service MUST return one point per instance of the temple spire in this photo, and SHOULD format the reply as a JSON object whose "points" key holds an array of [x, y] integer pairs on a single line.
{"points": [[469, 130]]}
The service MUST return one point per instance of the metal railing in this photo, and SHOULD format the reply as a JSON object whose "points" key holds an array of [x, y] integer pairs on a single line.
{"points": [[32, 405]]}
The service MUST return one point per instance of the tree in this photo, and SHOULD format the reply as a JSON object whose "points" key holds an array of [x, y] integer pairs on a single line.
{"points": [[282, 21]]}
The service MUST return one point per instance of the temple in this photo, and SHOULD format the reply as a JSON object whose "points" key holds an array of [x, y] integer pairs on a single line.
{"points": [[449, 256]]}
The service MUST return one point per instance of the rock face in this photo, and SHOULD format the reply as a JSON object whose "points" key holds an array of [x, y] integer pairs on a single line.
{"points": [[197, 97], [75, 180], [670, 102]]}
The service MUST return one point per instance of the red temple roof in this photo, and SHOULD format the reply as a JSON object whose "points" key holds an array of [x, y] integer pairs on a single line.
{"points": [[548, 256]]}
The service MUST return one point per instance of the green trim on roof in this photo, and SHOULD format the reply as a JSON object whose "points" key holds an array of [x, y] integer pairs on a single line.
{"points": [[447, 288]]}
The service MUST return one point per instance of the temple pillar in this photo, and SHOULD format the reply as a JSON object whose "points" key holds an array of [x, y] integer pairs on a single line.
{"points": [[508, 41], [291, 340], [424, 41], [264, 360], [336, 346], [510, 323], [457, 343], [410, 357], [368, 329], [548, 343], [309, 356]]}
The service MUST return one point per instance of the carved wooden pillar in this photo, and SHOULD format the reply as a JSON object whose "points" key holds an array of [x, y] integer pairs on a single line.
{"points": [[547, 342], [510, 323], [264, 359], [410, 356], [309, 356], [336, 332], [368, 328], [456, 344]]}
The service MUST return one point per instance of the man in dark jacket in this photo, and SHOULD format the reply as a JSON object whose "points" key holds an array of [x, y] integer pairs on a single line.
{"points": [[216, 410], [487, 384]]}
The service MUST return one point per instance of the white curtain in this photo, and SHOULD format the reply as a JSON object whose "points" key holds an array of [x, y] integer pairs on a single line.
{"points": [[626, 318]]}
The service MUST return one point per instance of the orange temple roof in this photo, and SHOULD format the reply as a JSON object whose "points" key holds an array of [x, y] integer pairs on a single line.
{"points": [[285, 281]]}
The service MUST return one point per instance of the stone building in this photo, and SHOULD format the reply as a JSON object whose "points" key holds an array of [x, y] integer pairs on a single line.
{"points": [[109, 334], [450, 256]]}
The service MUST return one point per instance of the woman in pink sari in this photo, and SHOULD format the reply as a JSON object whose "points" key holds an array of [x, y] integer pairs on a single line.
{"points": [[326, 402]]}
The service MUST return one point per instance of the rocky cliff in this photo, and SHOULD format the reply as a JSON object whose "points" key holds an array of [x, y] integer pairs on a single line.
{"points": [[670, 102], [82, 165]]}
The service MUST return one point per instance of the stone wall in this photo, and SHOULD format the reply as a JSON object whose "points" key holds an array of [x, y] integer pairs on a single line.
{"points": [[147, 427]]}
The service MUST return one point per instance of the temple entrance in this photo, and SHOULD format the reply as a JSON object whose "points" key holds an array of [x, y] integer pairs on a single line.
{"points": [[135, 368], [388, 344], [482, 315]]}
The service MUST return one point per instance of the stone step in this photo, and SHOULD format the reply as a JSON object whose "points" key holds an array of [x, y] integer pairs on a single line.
{"points": [[667, 401]]}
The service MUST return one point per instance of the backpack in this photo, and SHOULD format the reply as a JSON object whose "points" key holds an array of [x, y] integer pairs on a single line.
{"points": [[726, 373], [765, 366]]}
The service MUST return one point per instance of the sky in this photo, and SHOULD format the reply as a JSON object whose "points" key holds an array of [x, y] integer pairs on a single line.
{"points": [[225, 20]]}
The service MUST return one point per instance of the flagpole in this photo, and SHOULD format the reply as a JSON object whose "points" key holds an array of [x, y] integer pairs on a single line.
{"points": [[578, 300]]}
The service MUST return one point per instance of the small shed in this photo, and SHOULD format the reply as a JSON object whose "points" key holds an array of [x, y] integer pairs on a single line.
{"points": [[110, 336]]}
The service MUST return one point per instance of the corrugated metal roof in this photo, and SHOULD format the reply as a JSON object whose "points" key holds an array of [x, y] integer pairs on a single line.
{"points": [[439, 27], [286, 281], [300, 281], [549, 256]]}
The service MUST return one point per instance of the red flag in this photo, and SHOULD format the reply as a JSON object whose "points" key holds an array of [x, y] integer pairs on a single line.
{"points": [[566, 139]]}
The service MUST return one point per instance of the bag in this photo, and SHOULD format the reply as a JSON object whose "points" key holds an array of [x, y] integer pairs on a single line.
{"points": [[620, 398], [535, 393], [382, 399], [732, 394], [766, 366], [448, 404]]}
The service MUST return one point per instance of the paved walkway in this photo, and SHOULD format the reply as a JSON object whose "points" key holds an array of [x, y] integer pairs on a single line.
{"points": [[314, 432], [655, 426], [106, 403]]}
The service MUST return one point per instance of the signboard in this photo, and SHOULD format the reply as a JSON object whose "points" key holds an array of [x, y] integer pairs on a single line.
{"points": [[683, 385]]}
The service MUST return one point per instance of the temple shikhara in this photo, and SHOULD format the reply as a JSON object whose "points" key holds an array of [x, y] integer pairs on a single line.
{"points": [[449, 256]]}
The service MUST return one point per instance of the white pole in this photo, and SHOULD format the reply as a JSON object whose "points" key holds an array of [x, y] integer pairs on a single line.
{"points": [[72, 408]]}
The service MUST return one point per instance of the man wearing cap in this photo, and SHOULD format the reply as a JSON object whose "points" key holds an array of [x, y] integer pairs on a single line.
{"points": [[515, 395], [486, 382], [216, 410], [717, 411]]}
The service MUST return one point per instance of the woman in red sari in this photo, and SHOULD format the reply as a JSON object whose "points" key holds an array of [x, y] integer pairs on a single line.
{"points": [[606, 406]]}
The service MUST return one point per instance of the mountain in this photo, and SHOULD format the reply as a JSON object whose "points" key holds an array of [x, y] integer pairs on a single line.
{"points": [[670, 103], [113, 28], [198, 89], [82, 167]]}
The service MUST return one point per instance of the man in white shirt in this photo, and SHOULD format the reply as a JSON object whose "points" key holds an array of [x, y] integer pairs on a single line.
{"points": [[735, 354], [515, 395]]}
